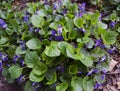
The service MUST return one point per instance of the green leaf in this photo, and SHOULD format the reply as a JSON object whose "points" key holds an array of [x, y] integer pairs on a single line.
{"points": [[71, 53], [72, 34], [98, 52], [102, 25], [109, 37], [35, 78], [65, 2], [62, 87], [9, 31], [54, 25], [52, 50], [3, 40], [52, 80], [62, 46], [34, 43], [76, 83], [42, 13], [31, 58], [73, 69], [69, 26], [86, 39], [88, 85], [95, 17], [15, 71], [86, 60], [37, 21], [98, 78], [39, 68], [5, 72], [29, 87], [48, 59], [20, 51], [79, 22]]}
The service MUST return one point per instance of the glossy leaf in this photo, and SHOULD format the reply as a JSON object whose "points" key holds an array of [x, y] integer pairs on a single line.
{"points": [[52, 80], [62, 87], [35, 78], [79, 22], [39, 68], [42, 13], [37, 21], [52, 50], [73, 69], [109, 37], [76, 83], [15, 71], [28, 86], [31, 58], [20, 51], [88, 85], [34, 43], [62, 46]]}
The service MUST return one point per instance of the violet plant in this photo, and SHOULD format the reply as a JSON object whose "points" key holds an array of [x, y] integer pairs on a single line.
{"points": [[50, 48]]}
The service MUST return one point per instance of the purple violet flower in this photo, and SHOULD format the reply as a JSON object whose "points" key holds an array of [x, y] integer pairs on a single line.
{"points": [[110, 51], [64, 11], [103, 77], [20, 79], [8, 65], [54, 7], [104, 70], [97, 85], [82, 30], [103, 58], [79, 14], [112, 24], [59, 3], [36, 30], [90, 72], [59, 29], [53, 32], [82, 6], [22, 44], [3, 23], [4, 57], [26, 18], [15, 58], [0, 55], [0, 65], [95, 71], [22, 62], [34, 83], [59, 38], [98, 42], [79, 73]]}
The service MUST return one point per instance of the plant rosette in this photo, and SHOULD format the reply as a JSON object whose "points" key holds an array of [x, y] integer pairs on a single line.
{"points": [[57, 47]]}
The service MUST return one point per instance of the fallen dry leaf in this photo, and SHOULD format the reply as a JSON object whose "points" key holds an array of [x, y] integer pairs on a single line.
{"points": [[112, 64], [118, 84], [111, 88]]}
